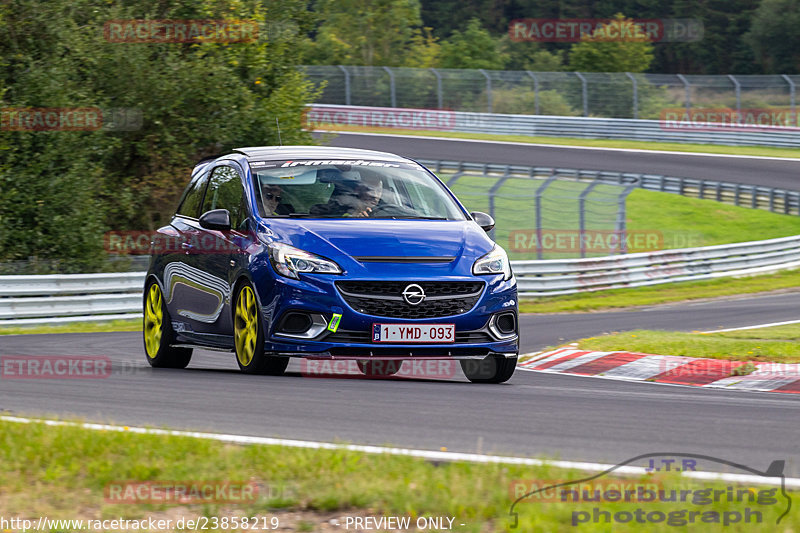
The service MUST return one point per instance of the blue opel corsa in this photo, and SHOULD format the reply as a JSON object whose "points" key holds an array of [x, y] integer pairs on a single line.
{"points": [[319, 252]]}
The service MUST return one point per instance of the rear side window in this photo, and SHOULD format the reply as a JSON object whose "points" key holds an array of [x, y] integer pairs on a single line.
{"points": [[225, 191], [193, 197]]}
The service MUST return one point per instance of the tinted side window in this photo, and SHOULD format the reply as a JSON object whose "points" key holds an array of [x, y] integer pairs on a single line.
{"points": [[190, 205], [225, 191]]}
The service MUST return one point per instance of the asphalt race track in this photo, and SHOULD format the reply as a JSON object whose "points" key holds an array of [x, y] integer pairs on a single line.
{"points": [[534, 414], [751, 171]]}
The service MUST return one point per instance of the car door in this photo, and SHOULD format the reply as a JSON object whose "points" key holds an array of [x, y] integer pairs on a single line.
{"points": [[181, 275], [221, 249]]}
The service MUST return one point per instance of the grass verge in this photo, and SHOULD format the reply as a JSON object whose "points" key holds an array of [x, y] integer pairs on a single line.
{"points": [[76, 327], [71, 473], [667, 293], [775, 344], [763, 151]]}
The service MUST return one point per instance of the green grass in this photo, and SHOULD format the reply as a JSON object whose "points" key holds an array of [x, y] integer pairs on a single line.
{"points": [[76, 327], [62, 472], [764, 151], [661, 294], [777, 344]]}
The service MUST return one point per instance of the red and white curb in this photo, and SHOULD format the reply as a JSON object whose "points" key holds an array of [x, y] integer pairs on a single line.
{"points": [[693, 371]]}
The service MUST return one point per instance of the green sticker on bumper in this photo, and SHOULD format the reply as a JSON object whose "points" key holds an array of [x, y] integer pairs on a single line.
{"points": [[334, 323]]}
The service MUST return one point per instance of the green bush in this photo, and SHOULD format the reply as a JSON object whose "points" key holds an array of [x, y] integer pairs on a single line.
{"points": [[59, 191]]}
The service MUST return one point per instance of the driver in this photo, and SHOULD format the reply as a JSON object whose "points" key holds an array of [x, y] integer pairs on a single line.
{"points": [[271, 197], [352, 200], [368, 194]]}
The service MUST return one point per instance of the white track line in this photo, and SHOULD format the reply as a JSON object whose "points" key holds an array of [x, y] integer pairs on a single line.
{"points": [[564, 146], [422, 454], [757, 326]]}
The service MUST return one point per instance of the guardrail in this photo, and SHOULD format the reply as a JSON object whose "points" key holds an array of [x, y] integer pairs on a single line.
{"points": [[56, 298], [570, 276], [96, 297], [322, 117], [754, 196]]}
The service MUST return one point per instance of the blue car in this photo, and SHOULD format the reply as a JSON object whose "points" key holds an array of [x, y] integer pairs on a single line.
{"points": [[328, 253]]}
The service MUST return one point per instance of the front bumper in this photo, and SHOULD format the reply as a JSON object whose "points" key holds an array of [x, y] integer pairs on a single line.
{"points": [[317, 294]]}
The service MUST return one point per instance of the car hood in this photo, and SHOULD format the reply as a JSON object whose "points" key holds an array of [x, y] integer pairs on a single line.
{"points": [[356, 240]]}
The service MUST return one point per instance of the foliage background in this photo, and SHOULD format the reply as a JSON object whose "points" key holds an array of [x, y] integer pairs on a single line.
{"points": [[59, 191]]}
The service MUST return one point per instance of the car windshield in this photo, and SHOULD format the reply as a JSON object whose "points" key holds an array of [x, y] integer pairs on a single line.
{"points": [[351, 189]]}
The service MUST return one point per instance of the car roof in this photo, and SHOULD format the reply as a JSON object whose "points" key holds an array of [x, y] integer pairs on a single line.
{"points": [[315, 152]]}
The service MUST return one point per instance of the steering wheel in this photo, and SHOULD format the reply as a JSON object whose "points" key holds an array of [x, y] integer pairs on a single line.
{"points": [[391, 210]]}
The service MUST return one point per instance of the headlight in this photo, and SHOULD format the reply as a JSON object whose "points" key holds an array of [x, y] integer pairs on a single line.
{"points": [[291, 261], [495, 262]]}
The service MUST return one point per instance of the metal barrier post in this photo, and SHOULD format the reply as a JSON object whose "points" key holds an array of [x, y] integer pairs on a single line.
{"points": [[738, 87], [535, 91], [584, 93], [688, 90], [622, 227], [582, 214], [439, 98], [392, 90], [538, 203], [792, 92], [346, 85], [635, 95], [488, 90], [493, 190]]}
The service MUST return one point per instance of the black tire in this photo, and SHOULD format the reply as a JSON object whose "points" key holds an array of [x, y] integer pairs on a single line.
{"points": [[380, 368], [248, 335], [157, 332], [492, 369]]}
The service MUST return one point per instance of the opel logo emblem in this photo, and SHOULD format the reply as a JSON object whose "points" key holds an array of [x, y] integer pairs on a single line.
{"points": [[413, 294]]}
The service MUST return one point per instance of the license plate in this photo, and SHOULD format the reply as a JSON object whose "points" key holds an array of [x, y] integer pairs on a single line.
{"points": [[414, 333]]}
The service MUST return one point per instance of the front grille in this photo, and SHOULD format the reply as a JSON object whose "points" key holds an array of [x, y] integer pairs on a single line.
{"points": [[385, 298], [364, 337]]}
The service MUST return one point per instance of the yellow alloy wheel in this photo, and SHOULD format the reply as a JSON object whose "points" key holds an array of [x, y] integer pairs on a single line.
{"points": [[153, 321], [245, 329]]}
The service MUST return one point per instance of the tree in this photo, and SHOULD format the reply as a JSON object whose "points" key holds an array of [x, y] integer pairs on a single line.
{"points": [[604, 52], [530, 56], [365, 32], [60, 190], [473, 48], [774, 37]]}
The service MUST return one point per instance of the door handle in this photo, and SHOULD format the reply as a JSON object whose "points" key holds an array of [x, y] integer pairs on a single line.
{"points": [[186, 246]]}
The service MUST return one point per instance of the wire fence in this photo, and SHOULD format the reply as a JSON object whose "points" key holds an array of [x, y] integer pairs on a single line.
{"points": [[549, 214], [596, 94]]}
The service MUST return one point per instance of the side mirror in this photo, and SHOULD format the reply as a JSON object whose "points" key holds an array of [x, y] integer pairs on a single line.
{"points": [[216, 219], [484, 221]]}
